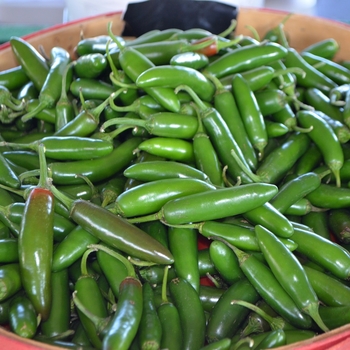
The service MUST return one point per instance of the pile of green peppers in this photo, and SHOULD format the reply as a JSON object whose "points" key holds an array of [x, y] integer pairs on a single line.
{"points": [[182, 190]]}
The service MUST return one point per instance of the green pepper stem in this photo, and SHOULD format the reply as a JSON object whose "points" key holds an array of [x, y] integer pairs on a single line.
{"points": [[274, 322], [240, 342], [255, 33], [312, 310], [128, 265], [67, 202], [99, 322], [247, 171], [113, 37], [123, 121], [193, 95], [229, 29], [28, 174], [117, 81], [146, 218], [164, 284], [293, 70], [140, 263], [39, 108], [83, 263]]}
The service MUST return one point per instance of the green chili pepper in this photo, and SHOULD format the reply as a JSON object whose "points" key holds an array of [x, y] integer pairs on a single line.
{"points": [[90, 65], [23, 317], [35, 243], [245, 58], [324, 252], [126, 320], [13, 78], [225, 262], [219, 204], [150, 328], [115, 231], [335, 316], [8, 250], [322, 134], [8, 176], [225, 318], [190, 59], [59, 319], [326, 48], [32, 62], [290, 273], [266, 284], [51, 90], [251, 114], [173, 76], [329, 290], [170, 148], [192, 319], [313, 78], [11, 280], [160, 169], [184, 247], [156, 194]]}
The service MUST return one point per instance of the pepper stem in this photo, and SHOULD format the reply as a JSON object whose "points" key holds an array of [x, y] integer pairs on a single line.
{"points": [[123, 121], [128, 265], [247, 171], [312, 310], [193, 95], [99, 322], [274, 322]]}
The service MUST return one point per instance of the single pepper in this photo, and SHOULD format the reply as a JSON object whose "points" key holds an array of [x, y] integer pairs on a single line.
{"points": [[326, 140], [35, 243], [51, 90], [13, 78], [114, 230], [295, 282], [32, 62]]}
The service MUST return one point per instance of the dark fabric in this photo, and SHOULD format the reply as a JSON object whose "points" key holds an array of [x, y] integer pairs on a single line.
{"points": [[141, 17]]}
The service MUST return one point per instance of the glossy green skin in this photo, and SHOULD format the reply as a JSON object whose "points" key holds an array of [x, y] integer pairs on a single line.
{"points": [[324, 252], [23, 317], [90, 65], [225, 262], [325, 139], [225, 318], [134, 63], [309, 160], [329, 290], [295, 189], [313, 77], [74, 147], [281, 159], [35, 243], [8, 250], [183, 245], [89, 294], [157, 170], [251, 112], [52, 87], [321, 102], [47, 115], [118, 232], [125, 322], [171, 326], [287, 269], [266, 284], [318, 222], [13, 78], [190, 59], [268, 216], [99, 169], [33, 64], [150, 328], [217, 204], [226, 105], [192, 319], [113, 269], [335, 316], [156, 194], [330, 197], [173, 76], [270, 101], [91, 88], [326, 48], [333, 70], [245, 58], [11, 281], [8, 176], [59, 319], [170, 148]]}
